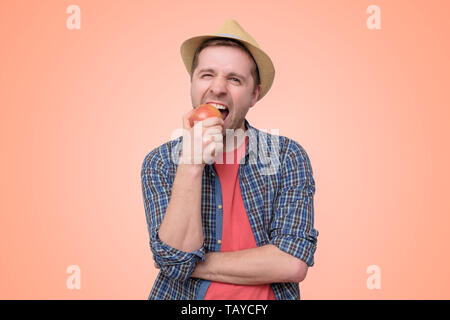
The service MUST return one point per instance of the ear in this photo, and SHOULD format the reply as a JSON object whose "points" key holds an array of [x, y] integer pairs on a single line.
{"points": [[256, 94]]}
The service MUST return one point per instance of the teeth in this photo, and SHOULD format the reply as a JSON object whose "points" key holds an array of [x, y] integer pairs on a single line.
{"points": [[218, 106]]}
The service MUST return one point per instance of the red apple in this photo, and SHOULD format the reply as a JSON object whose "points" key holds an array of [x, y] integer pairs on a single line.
{"points": [[203, 112]]}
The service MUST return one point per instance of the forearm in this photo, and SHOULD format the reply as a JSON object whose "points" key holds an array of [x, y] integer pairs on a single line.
{"points": [[181, 227], [261, 265]]}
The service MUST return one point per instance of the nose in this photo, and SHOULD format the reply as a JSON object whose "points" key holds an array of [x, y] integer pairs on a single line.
{"points": [[218, 86]]}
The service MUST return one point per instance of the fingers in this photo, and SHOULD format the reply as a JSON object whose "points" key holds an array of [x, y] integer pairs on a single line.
{"points": [[210, 122], [217, 139], [206, 134], [211, 151], [212, 134], [213, 121], [186, 122]]}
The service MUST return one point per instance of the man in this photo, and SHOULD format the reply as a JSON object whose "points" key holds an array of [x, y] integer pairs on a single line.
{"points": [[229, 230]]}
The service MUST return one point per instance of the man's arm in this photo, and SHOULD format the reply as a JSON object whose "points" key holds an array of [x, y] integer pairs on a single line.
{"points": [[292, 235], [261, 265], [173, 207], [156, 187], [181, 227]]}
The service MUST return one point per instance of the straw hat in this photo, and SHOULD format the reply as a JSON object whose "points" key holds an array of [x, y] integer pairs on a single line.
{"points": [[232, 29]]}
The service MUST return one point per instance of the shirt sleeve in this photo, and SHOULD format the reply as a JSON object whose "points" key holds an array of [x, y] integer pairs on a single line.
{"points": [[292, 228], [156, 188]]}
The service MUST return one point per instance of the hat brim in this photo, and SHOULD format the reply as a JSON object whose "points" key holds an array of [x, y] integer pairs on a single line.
{"points": [[265, 65]]}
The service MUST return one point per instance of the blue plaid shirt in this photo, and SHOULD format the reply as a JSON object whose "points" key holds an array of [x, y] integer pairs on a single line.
{"points": [[277, 185]]}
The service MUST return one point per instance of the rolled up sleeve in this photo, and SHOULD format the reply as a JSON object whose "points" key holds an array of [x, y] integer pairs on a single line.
{"points": [[175, 264], [156, 188], [292, 227]]}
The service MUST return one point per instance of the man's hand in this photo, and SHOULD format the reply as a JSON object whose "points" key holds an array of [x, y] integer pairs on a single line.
{"points": [[202, 142], [181, 227]]}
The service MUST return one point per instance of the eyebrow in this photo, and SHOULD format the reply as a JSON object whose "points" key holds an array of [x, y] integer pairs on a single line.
{"points": [[230, 74]]}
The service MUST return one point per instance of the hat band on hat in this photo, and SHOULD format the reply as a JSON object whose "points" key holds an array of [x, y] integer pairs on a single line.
{"points": [[228, 35]]}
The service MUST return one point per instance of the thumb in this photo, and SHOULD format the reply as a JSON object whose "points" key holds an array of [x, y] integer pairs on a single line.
{"points": [[186, 116]]}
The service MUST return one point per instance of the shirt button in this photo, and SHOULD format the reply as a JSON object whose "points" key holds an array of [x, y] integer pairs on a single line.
{"points": [[219, 241], [219, 206], [213, 174]]}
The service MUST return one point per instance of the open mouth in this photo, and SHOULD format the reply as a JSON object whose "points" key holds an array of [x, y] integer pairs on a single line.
{"points": [[223, 109], [224, 114]]}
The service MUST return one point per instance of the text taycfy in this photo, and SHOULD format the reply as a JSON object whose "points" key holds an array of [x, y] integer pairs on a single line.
{"points": [[246, 309]]}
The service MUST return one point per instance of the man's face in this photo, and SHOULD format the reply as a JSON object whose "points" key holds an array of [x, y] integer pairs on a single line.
{"points": [[223, 75]]}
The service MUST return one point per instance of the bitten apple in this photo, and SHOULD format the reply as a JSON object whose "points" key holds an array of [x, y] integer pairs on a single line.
{"points": [[203, 112]]}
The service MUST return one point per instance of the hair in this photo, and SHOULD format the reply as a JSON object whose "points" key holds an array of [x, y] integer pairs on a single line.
{"points": [[226, 43]]}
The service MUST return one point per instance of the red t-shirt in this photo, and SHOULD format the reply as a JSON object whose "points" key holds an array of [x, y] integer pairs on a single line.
{"points": [[237, 233]]}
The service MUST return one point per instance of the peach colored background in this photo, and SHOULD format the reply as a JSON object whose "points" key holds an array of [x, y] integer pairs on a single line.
{"points": [[80, 109]]}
